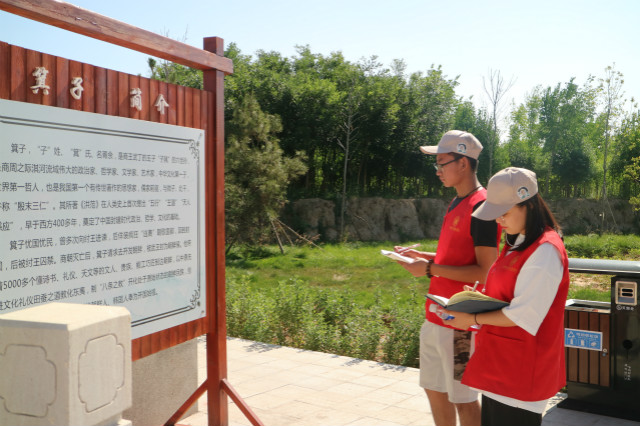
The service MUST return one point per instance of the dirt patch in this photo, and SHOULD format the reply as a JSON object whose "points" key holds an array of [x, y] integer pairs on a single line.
{"points": [[594, 281], [340, 277]]}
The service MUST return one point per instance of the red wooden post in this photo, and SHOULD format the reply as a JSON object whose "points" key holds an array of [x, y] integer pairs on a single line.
{"points": [[216, 299]]}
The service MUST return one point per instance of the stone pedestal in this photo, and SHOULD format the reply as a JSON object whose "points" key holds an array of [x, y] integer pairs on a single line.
{"points": [[162, 382], [65, 364]]}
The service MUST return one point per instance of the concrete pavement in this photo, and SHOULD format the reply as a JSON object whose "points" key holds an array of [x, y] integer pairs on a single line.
{"points": [[287, 386]]}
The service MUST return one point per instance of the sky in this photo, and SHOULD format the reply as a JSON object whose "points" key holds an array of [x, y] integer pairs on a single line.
{"points": [[545, 42]]}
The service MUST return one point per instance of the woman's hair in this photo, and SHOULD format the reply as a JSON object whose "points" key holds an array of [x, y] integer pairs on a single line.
{"points": [[539, 217]]}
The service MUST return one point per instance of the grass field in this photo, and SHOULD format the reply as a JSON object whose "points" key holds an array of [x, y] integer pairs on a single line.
{"points": [[356, 266], [350, 300], [360, 267]]}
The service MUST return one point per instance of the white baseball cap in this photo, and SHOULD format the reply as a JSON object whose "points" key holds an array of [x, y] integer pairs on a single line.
{"points": [[458, 142], [507, 188]]}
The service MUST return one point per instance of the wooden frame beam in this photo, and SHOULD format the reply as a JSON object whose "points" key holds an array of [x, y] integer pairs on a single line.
{"points": [[78, 20], [215, 66]]}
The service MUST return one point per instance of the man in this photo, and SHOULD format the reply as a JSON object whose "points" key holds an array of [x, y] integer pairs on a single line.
{"points": [[467, 248]]}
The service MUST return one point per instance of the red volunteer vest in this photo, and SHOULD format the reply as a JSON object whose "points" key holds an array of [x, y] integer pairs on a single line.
{"points": [[455, 247], [509, 361]]}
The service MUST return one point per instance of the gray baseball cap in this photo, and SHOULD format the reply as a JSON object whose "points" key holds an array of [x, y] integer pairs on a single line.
{"points": [[507, 188], [458, 142]]}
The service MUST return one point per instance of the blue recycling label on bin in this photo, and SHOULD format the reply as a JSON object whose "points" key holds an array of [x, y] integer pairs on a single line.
{"points": [[583, 339]]}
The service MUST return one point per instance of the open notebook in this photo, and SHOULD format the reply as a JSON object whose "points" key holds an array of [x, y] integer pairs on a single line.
{"points": [[470, 302]]}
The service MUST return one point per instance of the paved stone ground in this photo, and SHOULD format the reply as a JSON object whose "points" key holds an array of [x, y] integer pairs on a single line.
{"points": [[287, 386]]}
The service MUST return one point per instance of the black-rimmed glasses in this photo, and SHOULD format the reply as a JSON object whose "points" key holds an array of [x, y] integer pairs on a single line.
{"points": [[439, 167]]}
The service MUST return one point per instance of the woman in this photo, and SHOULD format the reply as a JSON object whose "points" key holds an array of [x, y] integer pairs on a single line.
{"points": [[518, 362]]}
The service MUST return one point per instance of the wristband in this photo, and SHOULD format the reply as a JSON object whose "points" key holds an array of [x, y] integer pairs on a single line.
{"points": [[428, 271]]}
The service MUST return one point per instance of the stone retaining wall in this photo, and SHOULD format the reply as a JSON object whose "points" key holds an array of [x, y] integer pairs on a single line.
{"points": [[381, 219]]}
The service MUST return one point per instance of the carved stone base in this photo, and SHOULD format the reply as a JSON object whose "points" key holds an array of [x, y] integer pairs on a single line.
{"points": [[65, 364]]}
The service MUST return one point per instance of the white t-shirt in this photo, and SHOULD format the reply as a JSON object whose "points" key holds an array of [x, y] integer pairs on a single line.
{"points": [[536, 288]]}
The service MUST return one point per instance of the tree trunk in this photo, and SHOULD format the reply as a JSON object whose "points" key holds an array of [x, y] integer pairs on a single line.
{"points": [[604, 161], [344, 174]]}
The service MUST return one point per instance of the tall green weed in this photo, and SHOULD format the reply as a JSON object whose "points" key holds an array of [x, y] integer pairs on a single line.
{"points": [[347, 299], [607, 246], [328, 320]]}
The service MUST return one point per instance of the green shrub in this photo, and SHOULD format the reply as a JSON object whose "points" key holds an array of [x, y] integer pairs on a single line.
{"points": [[401, 345], [291, 304], [328, 320], [606, 246], [363, 333], [346, 299], [247, 313], [321, 336]]}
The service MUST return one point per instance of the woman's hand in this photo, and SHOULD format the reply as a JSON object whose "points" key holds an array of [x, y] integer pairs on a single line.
{"points": [[460, 320], [478, 288]]}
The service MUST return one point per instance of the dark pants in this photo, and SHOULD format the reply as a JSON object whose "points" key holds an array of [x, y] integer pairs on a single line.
{"points": [[495, 413]]}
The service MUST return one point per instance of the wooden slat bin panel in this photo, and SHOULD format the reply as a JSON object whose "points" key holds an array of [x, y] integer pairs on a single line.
{"points": [[583, 365]]}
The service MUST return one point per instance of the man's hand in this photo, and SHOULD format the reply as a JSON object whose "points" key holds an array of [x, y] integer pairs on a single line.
{"points": [[409, 252], [418, 268]]}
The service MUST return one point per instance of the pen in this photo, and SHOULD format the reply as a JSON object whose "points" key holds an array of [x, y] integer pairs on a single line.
{"points": [[475, 285]]}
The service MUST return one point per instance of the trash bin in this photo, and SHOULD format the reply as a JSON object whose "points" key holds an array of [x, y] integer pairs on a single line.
{"points": [[602, 344], [626, 337], [587, 342]]}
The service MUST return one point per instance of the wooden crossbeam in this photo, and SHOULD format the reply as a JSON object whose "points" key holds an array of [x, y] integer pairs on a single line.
{"points": [[78, 20]]}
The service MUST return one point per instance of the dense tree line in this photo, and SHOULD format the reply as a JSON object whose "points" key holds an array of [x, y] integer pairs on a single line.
{"points": [[563, 132], [359, 124], [312, 125]]}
